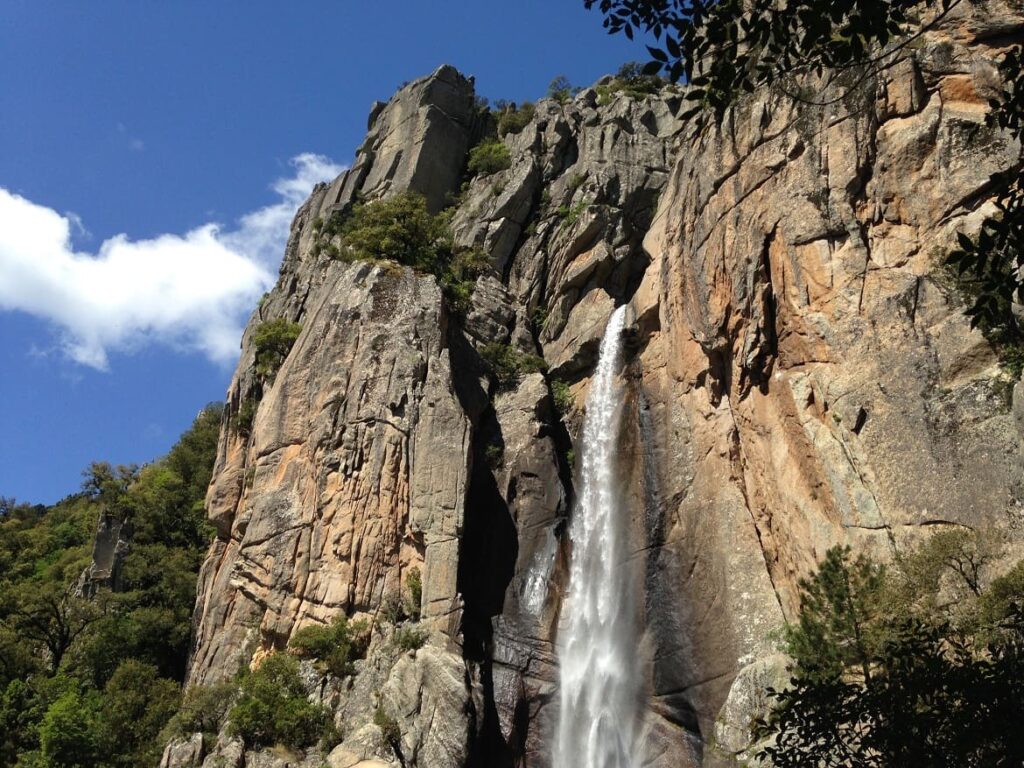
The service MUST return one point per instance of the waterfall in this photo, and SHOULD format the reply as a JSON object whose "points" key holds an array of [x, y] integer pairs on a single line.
{"points": [[598, 643]]}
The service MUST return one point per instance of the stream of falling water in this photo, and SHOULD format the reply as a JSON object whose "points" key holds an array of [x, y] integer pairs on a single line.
{"points": [[598, 644]]}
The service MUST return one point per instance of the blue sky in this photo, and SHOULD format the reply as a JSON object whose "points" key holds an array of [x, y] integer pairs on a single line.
{"points": [[151, 154]]}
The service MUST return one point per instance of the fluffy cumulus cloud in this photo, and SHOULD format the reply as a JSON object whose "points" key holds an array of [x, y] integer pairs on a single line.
{"points": [[191, 290]]}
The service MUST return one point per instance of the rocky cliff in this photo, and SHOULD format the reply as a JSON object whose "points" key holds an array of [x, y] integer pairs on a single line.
{"points": [[800, 374]]}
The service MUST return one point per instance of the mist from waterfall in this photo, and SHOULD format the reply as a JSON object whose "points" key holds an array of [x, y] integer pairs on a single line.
{"points": [[598, 639]]}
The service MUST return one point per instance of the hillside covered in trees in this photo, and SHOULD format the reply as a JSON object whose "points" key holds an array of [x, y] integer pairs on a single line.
{"points": [[90, 674]]}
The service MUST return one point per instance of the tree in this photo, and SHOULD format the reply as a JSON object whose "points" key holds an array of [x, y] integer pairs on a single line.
{"points": [[840, 617], [273, 341], [272, 707], [561, 90], [54, 617], [880, 683], [72, 733], [337, 645], [137, 704]]}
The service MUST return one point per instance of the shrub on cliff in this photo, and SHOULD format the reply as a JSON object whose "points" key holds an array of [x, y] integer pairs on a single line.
{"points": [[561, 90], [631, 82], [273, 340], [489, 157], [410, 638], [398, 228], [512, 119], [401, 229], [507, 365], [337, 646], [204, 708], [273, 707]]}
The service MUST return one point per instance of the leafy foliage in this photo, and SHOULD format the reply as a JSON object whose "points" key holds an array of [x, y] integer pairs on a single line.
{"points": [[388, 727], [561, 90], [273, 340], [410, 638], [204, 708], [489, 157], [71, 734], [92, 681], [508, 365], [561, 394], [881, 680], [414, 590], [243, 418], [629, 81], [337, 646], [990, 265], [273, 707], [838, 628], [725, 49], [401, 229], [513, 119]]}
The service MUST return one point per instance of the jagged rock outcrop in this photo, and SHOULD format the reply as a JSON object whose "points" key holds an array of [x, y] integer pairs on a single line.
{"points": [[800, 374]]}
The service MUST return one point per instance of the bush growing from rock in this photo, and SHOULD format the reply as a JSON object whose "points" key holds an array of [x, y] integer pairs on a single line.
{"points": [[414, 590], [508, 365], [273, 707], [242, 420], [561, 90], [489, 157], [402, 230], [388, 728], [204, 708], [410, 638], [273, 341], [562, 397], [513, 120], [338, 646]]}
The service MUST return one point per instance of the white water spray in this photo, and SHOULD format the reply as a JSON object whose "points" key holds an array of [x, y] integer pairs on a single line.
{"points": [[598, 648]]}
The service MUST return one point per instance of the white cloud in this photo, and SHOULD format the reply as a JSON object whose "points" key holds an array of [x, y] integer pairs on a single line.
{"points": [[191, 291]]}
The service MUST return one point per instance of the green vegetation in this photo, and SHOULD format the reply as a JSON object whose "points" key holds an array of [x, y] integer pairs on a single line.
{"points": [[243, 418], [914, 665], [489, 157], [561, 90], [561, 394], [414, 591], [405, 604], [204, 709], [388, 727], [337, 646], [410, 638], [273, 340], [512, 120], [997, 322], [631, 82], [273, 707], [400, 229], [571, 214], [494, 454], [91, 682], [507, 365]]}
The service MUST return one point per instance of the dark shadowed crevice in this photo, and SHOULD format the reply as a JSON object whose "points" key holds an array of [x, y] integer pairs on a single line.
{"points": [[487, 562]]}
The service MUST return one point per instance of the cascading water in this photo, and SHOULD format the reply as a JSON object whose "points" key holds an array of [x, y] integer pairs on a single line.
{"points": [[598, 645]]}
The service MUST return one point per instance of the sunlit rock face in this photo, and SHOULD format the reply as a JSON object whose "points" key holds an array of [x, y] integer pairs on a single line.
{"points": [[796, 372]]}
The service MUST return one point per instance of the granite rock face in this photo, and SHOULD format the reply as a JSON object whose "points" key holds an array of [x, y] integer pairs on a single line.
{"points": [[800, 374]]}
